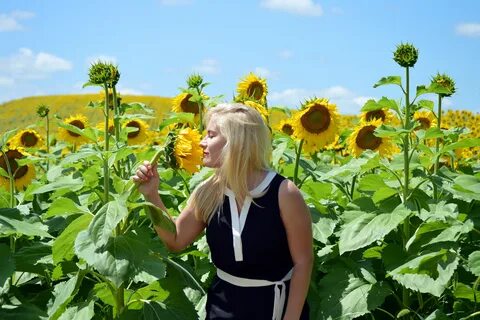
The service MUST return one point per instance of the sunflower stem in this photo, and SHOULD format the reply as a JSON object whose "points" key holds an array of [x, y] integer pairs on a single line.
{"points": [[406, 158], [10, 180], [200, 110], [437, 146], [48, 140], [105, 159], [297, 162]]}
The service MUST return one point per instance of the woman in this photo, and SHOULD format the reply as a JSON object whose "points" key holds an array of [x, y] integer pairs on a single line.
{"points": [[257, 224]]}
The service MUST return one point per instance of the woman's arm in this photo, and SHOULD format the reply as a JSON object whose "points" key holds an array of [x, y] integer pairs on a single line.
{"points": [[298, 225], [187, 226]]}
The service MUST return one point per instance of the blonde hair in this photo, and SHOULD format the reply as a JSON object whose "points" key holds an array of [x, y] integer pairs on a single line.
{"points": [[247, 149]]}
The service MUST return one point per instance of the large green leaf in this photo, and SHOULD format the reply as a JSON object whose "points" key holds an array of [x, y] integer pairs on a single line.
{"points": [[62, 248], [437, 315], [64, 207], [63, 293], [24, 311], [7, 267], [35, 258], [84, 311], [427, 273], [105, 220], [397, 80], [10, 223], [346, 295], [174, 308], [474, 263], [370, 227], [64, 183]]}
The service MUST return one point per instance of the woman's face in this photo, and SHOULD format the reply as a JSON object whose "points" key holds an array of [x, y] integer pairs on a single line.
{"points": [[212, 145]]}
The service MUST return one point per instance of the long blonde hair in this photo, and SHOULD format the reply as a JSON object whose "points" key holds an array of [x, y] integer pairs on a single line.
{"points": [[247, 150]]}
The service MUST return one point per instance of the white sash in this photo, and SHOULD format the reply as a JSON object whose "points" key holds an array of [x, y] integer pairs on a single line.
{"points": [[280, 288]]}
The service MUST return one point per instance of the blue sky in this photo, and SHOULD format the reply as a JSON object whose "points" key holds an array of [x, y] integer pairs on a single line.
{"points": [[304, 48]]}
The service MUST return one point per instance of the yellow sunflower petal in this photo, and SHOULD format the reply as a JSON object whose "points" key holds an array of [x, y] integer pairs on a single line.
{"points": [[79, 121], [140, 135], [257, 106], [363, 138], [187, 150], [254, 87], [426, 120], [27, 138]]}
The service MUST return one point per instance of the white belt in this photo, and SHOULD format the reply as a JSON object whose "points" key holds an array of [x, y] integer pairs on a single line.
{"points": [[280, 288]]}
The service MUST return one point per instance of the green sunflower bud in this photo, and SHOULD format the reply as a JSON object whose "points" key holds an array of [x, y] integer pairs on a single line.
{"points": [[195, 81], [406, 55], [446, 82], [170, 149], [103, 72], [43, 110]]}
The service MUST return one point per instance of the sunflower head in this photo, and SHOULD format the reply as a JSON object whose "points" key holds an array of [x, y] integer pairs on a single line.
{"points": [[285, 127], [195, 81], [79, 121], [406, 55], [316, 123], [22, 175], [446, 82], [27, 138], [426, 120], [43, 110], [138, 136], [253, 87], [382, 114], [101, 73], [182, 103], [363, 138], [183, 149]]}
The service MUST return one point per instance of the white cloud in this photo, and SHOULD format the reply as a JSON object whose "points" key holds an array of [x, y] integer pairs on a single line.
{"points": [[208, 66], [175, 2], [447, 102], [11, 22], [301, 7], [6, 82], [346, 101], [262, 72], [101, 57], [285, 54], [129, 91], [25, 64], [468, 29]]}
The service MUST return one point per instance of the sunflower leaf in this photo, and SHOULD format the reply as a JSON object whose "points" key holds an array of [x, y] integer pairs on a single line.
{"points": [[397, 80], [6, 136], [464, 143], [474, 263], [432, 88], [426, 104], [89, 134], [433, 133], [176, 117]]}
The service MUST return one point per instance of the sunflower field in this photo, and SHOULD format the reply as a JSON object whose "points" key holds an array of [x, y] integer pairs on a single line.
{"points": [[394, 195]]}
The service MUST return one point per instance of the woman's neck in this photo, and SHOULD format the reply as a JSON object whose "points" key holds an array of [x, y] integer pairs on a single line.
{"points": [[255, 178]]}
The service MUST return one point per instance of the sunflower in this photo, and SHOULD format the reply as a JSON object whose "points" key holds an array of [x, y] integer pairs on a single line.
{"points": [[426, 119], [257, 106], [363, 138], [23, 175], [79, 121], [253, 87], [27, 138], [316, 123], [187, 150], [111, 126], [139, 136], [285, 127], [384, 114], [181, 103]]}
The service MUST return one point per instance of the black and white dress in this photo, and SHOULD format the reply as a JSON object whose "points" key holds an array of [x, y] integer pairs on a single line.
{"points": [[250, 250]]}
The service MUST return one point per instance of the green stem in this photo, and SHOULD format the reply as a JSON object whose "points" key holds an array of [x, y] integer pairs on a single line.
{"points": [[116, 114], [177, 265], [472, 315], [437, 145], [297, 162], [406, 149], [120, 300], [200, 111], [105, 159], [48, 140], [10, 179]]}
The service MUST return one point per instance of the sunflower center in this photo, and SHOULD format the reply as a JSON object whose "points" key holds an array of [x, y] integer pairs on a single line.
{"points": [[316, 119], [28, 139], [77, 123], [255, 90], [366, 139], [287, 129], [13, 155], [134, 124], [189, 106], [375, 114], [424, 124]]}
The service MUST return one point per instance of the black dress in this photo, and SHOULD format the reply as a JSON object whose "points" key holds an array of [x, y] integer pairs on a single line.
{"points": [[263, 254]]}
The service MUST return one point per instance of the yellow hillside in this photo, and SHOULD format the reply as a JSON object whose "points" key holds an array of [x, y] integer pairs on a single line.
{"points": [[22, 112]]}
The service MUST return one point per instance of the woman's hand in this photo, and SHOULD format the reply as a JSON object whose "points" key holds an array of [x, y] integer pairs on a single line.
{"points": [[147, 179]]}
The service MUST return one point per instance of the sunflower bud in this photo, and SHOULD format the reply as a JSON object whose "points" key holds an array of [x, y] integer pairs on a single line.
{"points": [[43, 110], [446, 82], [406, 55], [103, 72], [195, 81]]}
